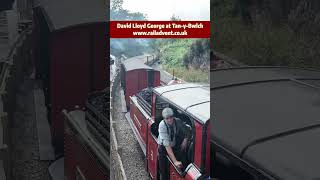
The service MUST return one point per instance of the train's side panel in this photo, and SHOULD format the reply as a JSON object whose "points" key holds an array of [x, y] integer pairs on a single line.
{"points": [[75, 70], [152, 154], [142, 79], [137, 80], [131, 84], [140, 121], [156, 78], [208, 148], [133, 109], [143, 125], [100, 50], [69, 79], [198, 144]]}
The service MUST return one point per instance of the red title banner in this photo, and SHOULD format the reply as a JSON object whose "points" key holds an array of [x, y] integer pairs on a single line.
{"points": [[160, 29]]}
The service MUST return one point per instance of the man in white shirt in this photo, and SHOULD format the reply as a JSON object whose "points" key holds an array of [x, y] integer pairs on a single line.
{"points": [[169, 128]]}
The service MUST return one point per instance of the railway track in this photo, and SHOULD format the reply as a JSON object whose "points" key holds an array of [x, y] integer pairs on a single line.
{"points": [[125, 150], [18, 123]]}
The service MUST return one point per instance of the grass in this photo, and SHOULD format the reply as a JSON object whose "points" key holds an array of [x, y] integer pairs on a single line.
{"points": [[189, 75], [172, 53], [171, 56], [265, 44]]}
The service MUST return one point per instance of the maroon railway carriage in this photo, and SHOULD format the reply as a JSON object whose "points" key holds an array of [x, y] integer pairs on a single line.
{"points": [[72, 47], [191, 103], [135, 76], [71, 55]]}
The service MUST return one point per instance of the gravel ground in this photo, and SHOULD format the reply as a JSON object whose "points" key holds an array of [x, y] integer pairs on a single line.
{"points": [[166, 78], [113, 169], [223, 64], [24, 138], [131, 154]]}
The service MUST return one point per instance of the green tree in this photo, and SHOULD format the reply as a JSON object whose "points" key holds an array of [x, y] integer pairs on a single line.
{"points": [[116, 5], [175, 18]]}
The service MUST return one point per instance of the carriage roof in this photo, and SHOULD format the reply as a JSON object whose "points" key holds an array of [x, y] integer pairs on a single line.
{"points": [[134, 64], [192, 98], [269, 117], [61, 14]]}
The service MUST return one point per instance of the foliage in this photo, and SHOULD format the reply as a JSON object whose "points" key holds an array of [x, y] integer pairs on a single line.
{"points": [[175, 18], [189, 53], [173, 50], [118, 13], [188, 58], [127, 47], [198, 55], [293, 42], [189, 75]]}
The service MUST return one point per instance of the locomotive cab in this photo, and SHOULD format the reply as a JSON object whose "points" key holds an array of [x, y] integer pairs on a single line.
{"points": [[160, 104], [191, 104]]}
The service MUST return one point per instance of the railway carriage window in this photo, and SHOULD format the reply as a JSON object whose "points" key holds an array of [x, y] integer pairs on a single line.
{"points": [[160, 105]]}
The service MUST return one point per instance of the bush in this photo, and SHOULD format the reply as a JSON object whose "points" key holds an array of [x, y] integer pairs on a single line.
{"points": [[266, 45], [292, 42], [198, 56], [189, 75]]}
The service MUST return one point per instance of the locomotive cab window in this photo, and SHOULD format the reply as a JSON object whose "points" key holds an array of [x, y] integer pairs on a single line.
{"points": [[160, 105]]}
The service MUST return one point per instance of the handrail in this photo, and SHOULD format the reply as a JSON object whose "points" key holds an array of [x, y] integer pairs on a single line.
{"points": [[261, 67], [144, 104], [276, 136], [266, 81]]}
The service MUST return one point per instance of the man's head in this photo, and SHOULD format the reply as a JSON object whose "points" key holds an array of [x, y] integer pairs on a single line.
{"points": [[167, 114]]}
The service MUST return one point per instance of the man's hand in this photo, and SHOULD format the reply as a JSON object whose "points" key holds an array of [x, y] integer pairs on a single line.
{"points": [[184, 144], [178, 164]]}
